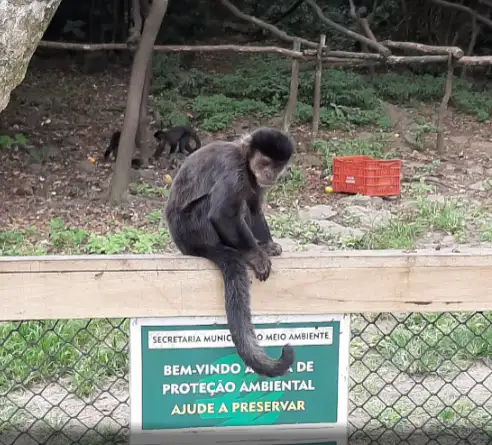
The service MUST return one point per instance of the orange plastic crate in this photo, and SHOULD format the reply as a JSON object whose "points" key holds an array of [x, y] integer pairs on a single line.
{"points": [[366, 176]]}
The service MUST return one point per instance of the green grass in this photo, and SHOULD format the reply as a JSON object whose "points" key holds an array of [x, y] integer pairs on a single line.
{"points": [[74, 241], [435, 342], [330, 148], [439, 347], [286, 225], [486, 232], [424, 215], [147, 190], [398, 234], [289, 187], [80, 351]]}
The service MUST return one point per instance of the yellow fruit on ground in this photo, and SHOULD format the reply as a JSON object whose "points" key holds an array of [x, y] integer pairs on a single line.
{"points": [[168, 179], [328, 189]]}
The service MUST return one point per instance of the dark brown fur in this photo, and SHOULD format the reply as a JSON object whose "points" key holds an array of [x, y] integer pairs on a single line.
{"points": [[214, 211], [176, 137], [113, 148]]}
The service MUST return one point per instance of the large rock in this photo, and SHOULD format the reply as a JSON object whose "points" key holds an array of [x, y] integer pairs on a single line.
{"points": [[22, 25]]}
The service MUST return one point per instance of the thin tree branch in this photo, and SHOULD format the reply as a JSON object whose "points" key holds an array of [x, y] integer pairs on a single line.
{"points": [[289, 11], [476, 28], [486, 3], [356, 36], [273, 29], [363, 24], [465, 9]]}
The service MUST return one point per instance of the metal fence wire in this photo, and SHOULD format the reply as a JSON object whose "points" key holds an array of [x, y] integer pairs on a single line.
{"points": [[414, 379]]}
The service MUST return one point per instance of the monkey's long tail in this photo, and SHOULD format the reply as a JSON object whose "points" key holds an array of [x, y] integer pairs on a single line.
{"points": [[237, 305]]}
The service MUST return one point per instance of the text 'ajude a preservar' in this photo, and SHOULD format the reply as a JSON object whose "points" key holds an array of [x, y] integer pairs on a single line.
{"points": [[189, 386]]}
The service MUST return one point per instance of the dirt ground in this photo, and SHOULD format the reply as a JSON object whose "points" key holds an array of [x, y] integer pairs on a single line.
{"points": [[68, 117]]}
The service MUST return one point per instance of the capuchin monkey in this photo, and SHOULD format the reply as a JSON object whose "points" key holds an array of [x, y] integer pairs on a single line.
{"points": [[179, 135], [113, 148], [214, 211]]}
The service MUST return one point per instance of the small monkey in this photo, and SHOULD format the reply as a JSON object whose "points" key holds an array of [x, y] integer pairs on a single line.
{"points": [[214, 211], [176, 137], [113, 148]]}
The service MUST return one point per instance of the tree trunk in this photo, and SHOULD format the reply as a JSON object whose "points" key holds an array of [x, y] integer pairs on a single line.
{"points": [[143, 121], [143, 54], [448, 88]]}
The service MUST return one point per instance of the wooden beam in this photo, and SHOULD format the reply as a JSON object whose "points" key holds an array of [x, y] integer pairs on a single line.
{"points": [[54, 287]]}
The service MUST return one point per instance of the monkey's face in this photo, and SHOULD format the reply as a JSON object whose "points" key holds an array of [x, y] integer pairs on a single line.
{"points": [[266, 171], [159, 135]]}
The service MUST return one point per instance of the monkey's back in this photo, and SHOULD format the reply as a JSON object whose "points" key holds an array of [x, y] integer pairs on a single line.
{"points": [[200, 172], [188, 204]]}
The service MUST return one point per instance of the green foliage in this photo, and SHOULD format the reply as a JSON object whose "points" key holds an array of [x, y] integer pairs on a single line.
{"points": [[168, 77], [286, 225], [486, 232], [289, 187], [259, 86], [397, 234], [8, 142], [340, 87], [427, 343], [218, 111], [82, 351], [14, 243], [147, 190], [73, 241], [402, 88], [330, 148], [426, 215]]}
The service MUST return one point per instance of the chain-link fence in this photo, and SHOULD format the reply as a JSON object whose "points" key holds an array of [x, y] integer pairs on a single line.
{"points": [[414, 379]]}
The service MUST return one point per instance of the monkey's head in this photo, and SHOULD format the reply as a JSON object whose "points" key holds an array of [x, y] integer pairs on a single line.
{"points": [[159, 135], [269, 154]]}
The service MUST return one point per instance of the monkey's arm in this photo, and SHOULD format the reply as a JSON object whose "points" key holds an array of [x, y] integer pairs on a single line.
{"points": [[259, 226], [226, 215], [261, 231]]}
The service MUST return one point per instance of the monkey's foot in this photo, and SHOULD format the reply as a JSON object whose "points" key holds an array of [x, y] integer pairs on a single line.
{"points": [[272, 248]]}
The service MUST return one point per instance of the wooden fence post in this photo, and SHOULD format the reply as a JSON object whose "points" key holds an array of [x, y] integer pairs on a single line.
{"points": [[290, 109]]}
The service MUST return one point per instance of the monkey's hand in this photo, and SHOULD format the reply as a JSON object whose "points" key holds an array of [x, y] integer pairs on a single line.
{"points": [[260, 263], [271, 248]]}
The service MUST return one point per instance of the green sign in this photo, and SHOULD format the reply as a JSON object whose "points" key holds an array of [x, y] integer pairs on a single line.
{"points": [[187, 377]]}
